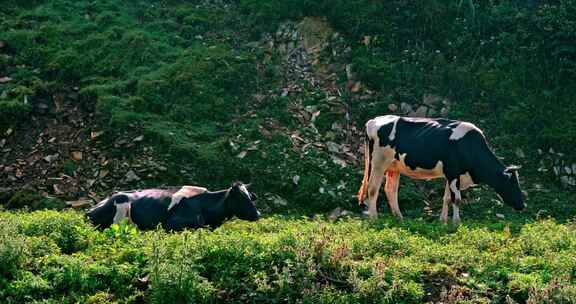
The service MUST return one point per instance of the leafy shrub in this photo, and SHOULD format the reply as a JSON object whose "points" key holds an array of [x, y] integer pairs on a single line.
{"points": [[67, 229], [13, 250]]}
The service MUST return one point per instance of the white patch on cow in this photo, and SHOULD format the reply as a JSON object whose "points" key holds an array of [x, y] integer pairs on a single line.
{"points": [[373, 125], [418, 173], [185, 192], [466, 181], [454, 188], [462, 129], [245, 190], [393, 132], [122, 212]]}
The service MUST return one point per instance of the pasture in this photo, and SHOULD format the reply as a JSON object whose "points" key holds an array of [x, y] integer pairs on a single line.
{"points": [[109, 95], [56, 257]]}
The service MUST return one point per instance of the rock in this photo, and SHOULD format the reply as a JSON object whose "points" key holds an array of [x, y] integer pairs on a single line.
{"points": [[349, 73], [138, 139], [420, 112], [334, 214], [342, 163], [51, 158], [242, 154], [333, 147], [338, 212], [392, 107], [519, 153], [5, 79], [567, 181], [431, 100], [76, 155], [296, 179], [405, 108], [346, 213], [41, 108], [81, 203], [500, 215], [279, 201], [95, 134], [131, 177], [356, 87], [444, 111]]}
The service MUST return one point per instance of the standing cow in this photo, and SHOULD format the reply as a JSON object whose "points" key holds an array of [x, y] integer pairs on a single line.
{"points": [[176, 208], [423, 148]]}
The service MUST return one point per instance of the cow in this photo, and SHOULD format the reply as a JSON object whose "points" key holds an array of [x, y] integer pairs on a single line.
{"points": [[426, 148], [176, 208]]}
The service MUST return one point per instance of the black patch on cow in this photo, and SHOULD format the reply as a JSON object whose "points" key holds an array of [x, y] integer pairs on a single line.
{"points": [[370, 150], [429, 140]]}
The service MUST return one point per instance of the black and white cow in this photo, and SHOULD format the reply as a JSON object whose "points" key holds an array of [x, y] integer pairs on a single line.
{"points": [[176, 208], [423, 148]]}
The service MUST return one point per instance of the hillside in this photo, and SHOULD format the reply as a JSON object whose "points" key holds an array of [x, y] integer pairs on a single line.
{"points": [[97, 96]]}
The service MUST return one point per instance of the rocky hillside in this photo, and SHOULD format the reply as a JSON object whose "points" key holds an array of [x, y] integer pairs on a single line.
{"points": [[97, 96]]}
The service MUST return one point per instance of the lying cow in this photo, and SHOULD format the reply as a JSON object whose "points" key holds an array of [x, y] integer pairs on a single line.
{"points": [[423, 148], [176, 208]]}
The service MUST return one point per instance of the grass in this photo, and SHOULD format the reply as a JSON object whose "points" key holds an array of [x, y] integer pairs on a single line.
{"points": [[186, 76], [48, 256]]}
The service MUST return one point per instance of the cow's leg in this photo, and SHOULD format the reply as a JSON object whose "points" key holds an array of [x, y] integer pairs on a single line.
{"points": [[391, 190], [379, 166], [457, 198], [122, 212], [446, 201]]}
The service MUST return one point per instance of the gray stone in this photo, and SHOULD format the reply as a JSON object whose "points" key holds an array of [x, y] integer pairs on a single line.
{"points": [[420, 112], [430, 100], [444, 111], [333, 147], [334, 214], [565, 180], [405, 108], [519, 153], [131, 177]]}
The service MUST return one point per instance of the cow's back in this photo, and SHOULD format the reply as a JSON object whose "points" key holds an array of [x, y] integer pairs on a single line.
{"points": [[150, 207]]}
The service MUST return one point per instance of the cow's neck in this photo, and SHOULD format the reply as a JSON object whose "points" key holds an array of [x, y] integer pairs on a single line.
{"points": [[489, 170], [217, 212]]}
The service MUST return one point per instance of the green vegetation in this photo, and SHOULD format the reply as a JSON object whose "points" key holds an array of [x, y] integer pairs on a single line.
{"points": [[185, 75], [195, 80], [49, 256]]}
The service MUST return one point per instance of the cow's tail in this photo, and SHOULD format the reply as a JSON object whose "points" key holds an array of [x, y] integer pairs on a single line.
{"points": [[365, 181]]}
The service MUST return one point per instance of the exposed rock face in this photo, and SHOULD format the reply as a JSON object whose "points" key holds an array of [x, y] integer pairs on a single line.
{"points": [[562, 167], [431, 106]]}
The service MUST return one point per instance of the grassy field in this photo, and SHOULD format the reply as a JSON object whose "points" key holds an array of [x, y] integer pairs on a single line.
{"points": [[209, 93], [55, 257]]}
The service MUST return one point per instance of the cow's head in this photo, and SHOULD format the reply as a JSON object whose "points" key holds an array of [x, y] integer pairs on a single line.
{"points": [[102, 214], [510, 188], [241, 202]]}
